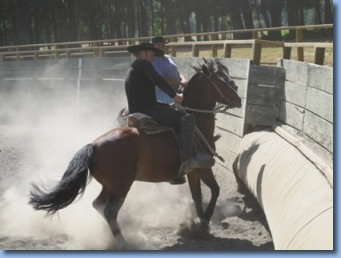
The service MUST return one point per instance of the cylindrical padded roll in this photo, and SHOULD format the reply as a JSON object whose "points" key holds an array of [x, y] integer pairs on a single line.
{"points": [[295, 196]]}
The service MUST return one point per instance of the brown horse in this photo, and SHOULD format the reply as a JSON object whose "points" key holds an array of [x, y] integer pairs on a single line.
{"points": [[123, 155]]}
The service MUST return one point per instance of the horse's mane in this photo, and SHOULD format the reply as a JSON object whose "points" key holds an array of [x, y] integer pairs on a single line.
{"points": [[209, 66]]}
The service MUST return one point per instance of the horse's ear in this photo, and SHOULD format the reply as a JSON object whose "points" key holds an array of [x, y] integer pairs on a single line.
{"points": [[196, 68], [220, 66], [205, 69]]}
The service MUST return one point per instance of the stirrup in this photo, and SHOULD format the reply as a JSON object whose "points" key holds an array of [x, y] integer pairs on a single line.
{"points": [[187, 167], [201, 161], [204, 160]]}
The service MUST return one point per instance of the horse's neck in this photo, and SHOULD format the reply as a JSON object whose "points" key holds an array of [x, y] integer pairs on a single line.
{"points": [[206, 124], [198, 96]]}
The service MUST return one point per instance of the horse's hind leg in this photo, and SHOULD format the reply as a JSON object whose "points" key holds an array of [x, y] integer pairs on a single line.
{"points": [[110, 213], [100, 202]]}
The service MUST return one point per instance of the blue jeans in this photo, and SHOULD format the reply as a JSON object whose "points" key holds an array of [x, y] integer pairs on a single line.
{"points": [[166, 115]]}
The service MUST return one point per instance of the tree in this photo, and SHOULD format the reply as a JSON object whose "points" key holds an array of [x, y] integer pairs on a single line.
{"points": [[328, 13], [41, 21], [247, 14]]}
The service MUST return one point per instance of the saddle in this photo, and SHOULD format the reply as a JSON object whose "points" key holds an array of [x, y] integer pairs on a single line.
{"points": [[146, 124], [149, 126], [142, 122]]}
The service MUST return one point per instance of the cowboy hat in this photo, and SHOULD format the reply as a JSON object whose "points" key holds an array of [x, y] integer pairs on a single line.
{"points": [[145, 46], [159, 39]]}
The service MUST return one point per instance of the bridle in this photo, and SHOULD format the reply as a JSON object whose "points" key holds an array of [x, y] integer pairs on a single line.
{"points": [[220, 108]]}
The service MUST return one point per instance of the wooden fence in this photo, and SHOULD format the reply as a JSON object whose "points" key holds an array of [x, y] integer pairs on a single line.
{"points": [[100, 48], [307, 106]]}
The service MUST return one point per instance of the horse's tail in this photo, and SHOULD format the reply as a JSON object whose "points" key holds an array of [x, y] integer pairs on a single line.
{"points": [[71, 185]]}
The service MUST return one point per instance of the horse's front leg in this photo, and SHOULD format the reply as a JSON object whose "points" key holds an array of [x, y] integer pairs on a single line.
{"points": [[195, 187], [206, 175]]}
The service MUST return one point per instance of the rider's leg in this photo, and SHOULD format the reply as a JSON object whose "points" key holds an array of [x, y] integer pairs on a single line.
{"points": [[185, 123]]}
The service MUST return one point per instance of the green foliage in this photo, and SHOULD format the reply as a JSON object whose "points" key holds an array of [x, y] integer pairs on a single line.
{"points": [[39, 21]]}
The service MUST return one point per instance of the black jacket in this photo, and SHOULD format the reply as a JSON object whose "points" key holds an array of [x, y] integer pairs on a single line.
{"points": [[140, 85]]}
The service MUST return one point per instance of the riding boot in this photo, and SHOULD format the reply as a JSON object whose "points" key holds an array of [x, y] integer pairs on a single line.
{"points": [[189, 163]]}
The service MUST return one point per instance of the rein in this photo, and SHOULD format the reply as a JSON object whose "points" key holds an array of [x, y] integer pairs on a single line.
{"points": [[220, 109]]}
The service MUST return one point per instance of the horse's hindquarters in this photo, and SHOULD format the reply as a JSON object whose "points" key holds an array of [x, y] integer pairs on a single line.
{"points": [[125, 154], [159, 157]]}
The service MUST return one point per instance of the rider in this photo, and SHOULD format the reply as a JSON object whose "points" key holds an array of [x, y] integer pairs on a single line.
{"points": [[166, 67], [140, 85]]}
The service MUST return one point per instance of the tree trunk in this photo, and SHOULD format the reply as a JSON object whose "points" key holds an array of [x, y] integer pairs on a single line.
{"points": [[291, 12], [318, 18], [143, 16], [162, 15], [328, 12], [72, 21], [328, 17], [301, 12], [117, 19], [264, 11], [2, 23], [170, 16], [237, 22], [22, 22], [151, 3], [247, 14], [275, 9], [131, 18]]}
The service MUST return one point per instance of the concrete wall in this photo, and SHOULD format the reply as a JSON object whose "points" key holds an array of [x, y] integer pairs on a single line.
{"points": [[87, 89], [289, 169]]}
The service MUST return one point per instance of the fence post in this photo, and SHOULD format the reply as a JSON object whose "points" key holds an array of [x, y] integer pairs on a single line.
{"points": [[214, 36], [214, 51], [17, 56], [173, 51], [195, 50], [227, 50], [286, 52], [255, 35], [299, 38], [256, 52], [319, 55], [173, 39]]}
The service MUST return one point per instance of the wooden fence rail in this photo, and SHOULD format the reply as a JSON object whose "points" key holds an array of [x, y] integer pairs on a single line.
{"points": [[227, 45], [100, 48], [173, 38]]}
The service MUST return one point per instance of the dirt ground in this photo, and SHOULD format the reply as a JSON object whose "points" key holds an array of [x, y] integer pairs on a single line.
{"points": [[154, 216]]}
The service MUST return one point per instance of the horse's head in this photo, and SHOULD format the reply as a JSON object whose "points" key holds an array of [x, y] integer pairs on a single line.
{"points": [[221, 86]]}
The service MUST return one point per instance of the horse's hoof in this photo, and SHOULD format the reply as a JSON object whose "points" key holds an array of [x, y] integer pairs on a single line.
{"points": [[196, 229]]}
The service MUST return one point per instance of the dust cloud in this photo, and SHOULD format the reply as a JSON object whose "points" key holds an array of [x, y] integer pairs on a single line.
{"points": [[42, 124]]}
